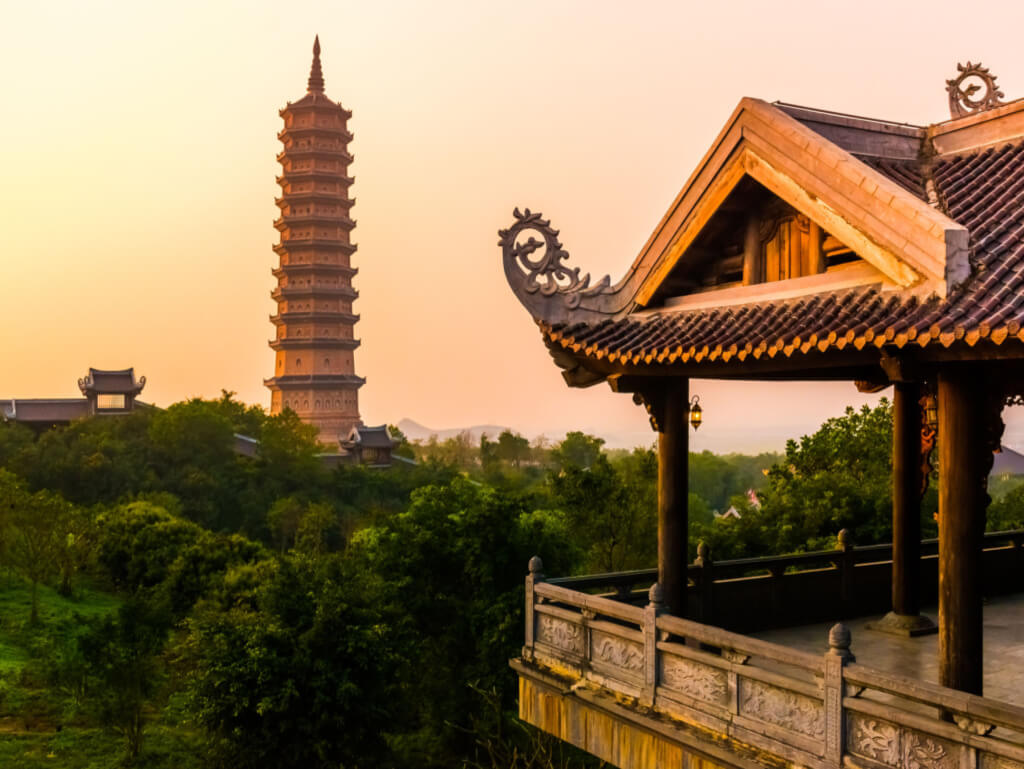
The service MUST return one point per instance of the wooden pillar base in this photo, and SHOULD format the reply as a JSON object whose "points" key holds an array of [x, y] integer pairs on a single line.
{"points": [[905, 625]]}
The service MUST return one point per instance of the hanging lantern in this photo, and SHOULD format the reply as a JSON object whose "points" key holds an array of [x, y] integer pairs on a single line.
{"points": [[931, 412], [696, 412]]}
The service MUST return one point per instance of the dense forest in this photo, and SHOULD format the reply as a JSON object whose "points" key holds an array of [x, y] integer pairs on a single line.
{"points": [[166, 602]]}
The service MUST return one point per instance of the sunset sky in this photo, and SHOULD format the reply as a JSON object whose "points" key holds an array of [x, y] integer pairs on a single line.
{"points": [[139, 145]]}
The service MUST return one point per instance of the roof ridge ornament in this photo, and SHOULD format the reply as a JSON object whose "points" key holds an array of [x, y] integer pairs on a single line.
{"points": [[546, 275], [961, 99], [316, 74]]}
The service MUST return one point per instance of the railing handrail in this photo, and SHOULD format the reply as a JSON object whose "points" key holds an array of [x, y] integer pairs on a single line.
{"points": [[998, 713], [856, 553], [736, 642]]}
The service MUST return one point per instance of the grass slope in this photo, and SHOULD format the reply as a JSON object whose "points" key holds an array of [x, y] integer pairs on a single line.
{"points": [[41, 727]]}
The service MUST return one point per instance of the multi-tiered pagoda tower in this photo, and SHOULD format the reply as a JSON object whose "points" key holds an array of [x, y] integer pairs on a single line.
{"points": [[314, 372]]}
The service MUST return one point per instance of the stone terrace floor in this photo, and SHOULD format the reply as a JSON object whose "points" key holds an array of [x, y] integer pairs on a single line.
{"points": [[918, 657]]}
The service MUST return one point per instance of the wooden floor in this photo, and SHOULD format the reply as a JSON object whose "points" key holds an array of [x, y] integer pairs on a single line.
{"points": [[918, 657]]}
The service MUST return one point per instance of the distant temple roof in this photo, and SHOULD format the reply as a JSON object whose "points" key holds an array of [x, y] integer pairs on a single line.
{"points": [[114, 381], [369, 437], [40, 412], [44, 410], [934, 216]]}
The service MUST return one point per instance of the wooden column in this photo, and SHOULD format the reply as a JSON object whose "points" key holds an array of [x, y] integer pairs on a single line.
{"points": [[962, 500], [906, 498], [673, 496], [905, 618]]}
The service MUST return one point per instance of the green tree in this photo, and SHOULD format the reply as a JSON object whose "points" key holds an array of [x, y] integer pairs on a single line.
{"points": [[512, 448], [449, 572], [121, 655], [283, 522], [577, 450], [1007, 512], [34, 533], [616, 524], [297, 670], [402, 448], [316, 525], [838, 477]]}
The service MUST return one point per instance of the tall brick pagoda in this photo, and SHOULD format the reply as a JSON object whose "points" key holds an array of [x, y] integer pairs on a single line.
{"points": [[314, 371]]}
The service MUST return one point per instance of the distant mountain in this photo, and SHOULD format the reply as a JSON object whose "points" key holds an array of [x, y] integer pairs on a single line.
{"points": [[414, 431]]}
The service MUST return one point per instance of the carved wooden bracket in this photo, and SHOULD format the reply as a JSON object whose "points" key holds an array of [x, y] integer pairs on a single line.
{"points": [[654, 403]]}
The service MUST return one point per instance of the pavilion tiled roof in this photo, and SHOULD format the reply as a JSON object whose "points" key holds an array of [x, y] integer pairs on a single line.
{"points": [[983, 191]]}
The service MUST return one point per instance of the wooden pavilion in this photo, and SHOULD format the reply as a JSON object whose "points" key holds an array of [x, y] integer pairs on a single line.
{"points": [[811, 245]]}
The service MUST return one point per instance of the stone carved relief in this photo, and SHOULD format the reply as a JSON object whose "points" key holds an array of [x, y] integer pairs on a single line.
{"points": [[923, 752], [620, 653], [560, 634], [782, 707], [874, 739], [834, 736], [694, 680], [900, 747]]}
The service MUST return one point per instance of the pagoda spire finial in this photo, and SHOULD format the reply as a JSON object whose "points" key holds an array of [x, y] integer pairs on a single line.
{"points": [[316, 75]]}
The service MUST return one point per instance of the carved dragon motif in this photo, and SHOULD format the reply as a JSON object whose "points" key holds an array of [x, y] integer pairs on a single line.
{"points": [[545, 276], [961, 98]]}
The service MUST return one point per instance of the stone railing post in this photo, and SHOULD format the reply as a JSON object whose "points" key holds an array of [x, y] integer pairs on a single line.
{"points": [[707, 583], [844, 543], [535, 575], [836, 657], [655, 606]]}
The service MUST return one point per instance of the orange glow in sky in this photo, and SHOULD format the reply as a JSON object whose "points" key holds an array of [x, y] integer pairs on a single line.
{"points": [[139, 146]]}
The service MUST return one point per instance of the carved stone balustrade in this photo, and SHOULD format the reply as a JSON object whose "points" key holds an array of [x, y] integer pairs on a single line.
{"points": [[639, 688]]}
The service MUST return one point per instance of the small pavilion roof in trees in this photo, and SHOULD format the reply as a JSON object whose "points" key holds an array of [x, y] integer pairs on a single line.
{"points": [[806, 240]]}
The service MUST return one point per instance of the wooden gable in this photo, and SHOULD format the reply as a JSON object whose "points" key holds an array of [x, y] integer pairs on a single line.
{"points": [[765, 159], [756, 238]]}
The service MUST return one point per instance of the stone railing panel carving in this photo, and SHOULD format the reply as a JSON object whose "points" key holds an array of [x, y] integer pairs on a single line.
{"points": [[701, 682], [561, 634], [874, 739], [616, 652], [782, 707], [899, 746]]}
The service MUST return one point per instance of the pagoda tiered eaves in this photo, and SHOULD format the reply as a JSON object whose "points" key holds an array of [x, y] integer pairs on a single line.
{"points": [[314, 372]]}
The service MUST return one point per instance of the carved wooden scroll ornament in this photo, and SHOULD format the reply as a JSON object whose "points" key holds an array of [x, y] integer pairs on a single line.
{"points": [[545, 285], [962, 90]]}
